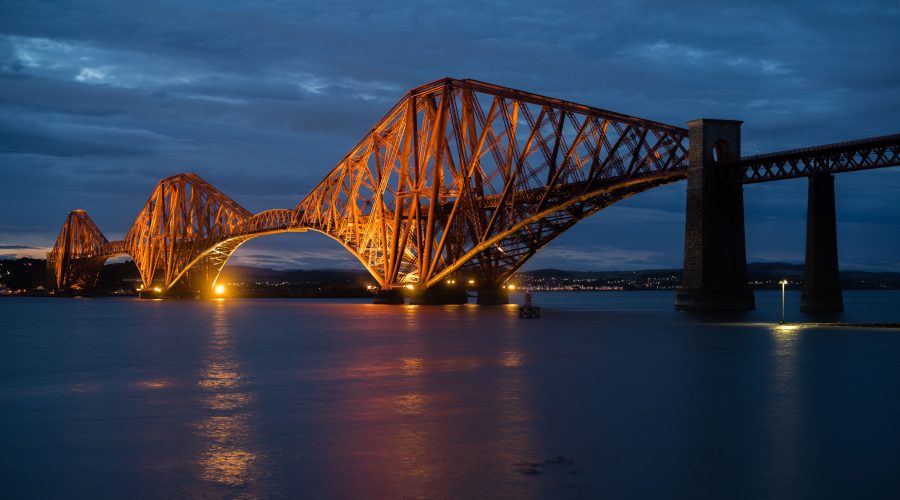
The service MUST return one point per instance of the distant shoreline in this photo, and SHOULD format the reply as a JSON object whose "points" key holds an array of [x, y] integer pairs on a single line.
{"points": [[71, 295], [122, 278]]}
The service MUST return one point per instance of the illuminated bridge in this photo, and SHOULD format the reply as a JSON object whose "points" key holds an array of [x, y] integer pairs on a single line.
{"points": [[467, 179]]}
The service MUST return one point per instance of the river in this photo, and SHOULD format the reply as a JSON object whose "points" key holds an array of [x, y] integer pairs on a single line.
{"points": [[608, 395]]}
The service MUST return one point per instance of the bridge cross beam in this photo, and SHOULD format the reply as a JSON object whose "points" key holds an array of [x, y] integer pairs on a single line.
{"points": [[715, 257]]}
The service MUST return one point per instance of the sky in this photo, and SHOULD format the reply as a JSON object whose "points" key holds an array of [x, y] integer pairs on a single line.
{"points": [[100, 100]]}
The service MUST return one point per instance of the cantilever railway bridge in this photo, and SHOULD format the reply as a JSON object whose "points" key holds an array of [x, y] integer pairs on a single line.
{"points": [[459, 177]]}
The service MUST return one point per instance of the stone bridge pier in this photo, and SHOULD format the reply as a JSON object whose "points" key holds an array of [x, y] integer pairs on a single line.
{"points": [[715, 260], [821, 280]]}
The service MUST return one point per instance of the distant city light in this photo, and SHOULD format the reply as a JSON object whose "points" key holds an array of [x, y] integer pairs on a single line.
{"points": [[220, 289], [157, 289]]}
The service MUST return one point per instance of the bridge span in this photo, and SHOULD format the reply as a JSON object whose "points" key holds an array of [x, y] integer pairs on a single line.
{"points": [[465, 179]]}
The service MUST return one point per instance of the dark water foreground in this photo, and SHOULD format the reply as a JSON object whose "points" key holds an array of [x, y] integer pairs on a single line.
{"points": [[610, 395]]}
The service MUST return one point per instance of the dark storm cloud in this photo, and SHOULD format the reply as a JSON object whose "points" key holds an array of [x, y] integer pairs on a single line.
{"points": [[99, 100]]}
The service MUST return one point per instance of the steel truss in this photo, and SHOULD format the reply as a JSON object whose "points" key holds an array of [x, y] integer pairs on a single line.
{"points": [[876, 152], [462, 175], [78, 254], [459, 176]]}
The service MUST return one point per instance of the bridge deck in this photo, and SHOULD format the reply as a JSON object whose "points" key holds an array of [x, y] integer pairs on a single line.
{"points": [[863, 154]]}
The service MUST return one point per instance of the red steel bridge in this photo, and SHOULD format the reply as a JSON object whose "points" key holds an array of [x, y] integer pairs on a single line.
{"points": [[468, 179]]}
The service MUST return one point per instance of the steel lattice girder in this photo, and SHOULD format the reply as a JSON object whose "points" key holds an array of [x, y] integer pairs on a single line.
{"points": [[459, 176], [79, 252], [183, 218], [458, 166], [877, 152], [456, 170]]}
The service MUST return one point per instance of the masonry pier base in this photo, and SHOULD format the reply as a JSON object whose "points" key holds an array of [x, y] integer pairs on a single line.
{"points": [[493, 296], [439, 295], [391, 296], [821, 279], [715, 260]]}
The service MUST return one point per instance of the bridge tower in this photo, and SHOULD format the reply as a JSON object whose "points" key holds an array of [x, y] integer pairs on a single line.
{"points": [[715, 257], [821, 281]]}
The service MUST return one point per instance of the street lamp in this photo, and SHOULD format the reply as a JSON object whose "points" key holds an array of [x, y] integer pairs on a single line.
{"points": [[782, 283]]}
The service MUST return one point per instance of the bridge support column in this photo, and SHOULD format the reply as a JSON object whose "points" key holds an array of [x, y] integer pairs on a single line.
{"points": [[440, 295], [715, 258], [392, 296], [821, 281], [493, 295]]}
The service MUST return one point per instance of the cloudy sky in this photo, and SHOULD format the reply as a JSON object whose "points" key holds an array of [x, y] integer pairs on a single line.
{"points": [[99, 100]]}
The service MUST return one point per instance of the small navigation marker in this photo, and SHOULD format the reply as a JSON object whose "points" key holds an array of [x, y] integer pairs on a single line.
{"points": [[528, 310]]}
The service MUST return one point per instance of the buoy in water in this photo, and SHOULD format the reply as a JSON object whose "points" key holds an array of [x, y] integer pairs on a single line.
{"points": [[528, 310]]}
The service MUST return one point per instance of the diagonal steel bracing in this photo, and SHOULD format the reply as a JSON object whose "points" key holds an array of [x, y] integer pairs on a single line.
{"points": [[864, 154], [460, 176], [465, 175]]}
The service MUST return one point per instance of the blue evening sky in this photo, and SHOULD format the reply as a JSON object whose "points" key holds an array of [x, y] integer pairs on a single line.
{"points": [[99, 100]]}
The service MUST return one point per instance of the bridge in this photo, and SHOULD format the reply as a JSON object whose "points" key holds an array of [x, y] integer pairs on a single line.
{"points": [[464, 180]]}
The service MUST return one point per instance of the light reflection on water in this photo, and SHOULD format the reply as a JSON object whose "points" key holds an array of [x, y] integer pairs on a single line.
{"points": [[151, 384], [783, 412], [408, 403], [617, 396], [785, 344], [226, 432]]}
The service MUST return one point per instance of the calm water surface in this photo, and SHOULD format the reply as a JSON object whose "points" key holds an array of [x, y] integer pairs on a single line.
{"points": [[610, 395]]}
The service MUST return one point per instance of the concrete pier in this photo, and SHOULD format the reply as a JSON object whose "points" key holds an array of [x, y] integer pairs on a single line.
{"points": [[439, 295], [393, 296], [715, 259], [493, 295], [821, 279]]}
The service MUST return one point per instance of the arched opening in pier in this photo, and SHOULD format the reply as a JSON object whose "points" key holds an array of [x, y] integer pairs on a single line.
{"points": [[720, 151]]}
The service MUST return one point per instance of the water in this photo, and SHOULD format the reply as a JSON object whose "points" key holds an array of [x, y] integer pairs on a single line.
{"points": [[123, 398]]}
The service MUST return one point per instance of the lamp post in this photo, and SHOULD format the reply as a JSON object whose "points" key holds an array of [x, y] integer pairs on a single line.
{"points": [[783, 283]]}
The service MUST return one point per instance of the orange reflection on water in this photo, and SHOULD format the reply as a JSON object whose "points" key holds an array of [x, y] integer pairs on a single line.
{"points": [[223, 428], [224, 401], [512, 359], [400, 432], [412, 366], [367, 371], [410, 404], [220, 375], [406, 367], [151, 384], [227, 457], [227, 466]]}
